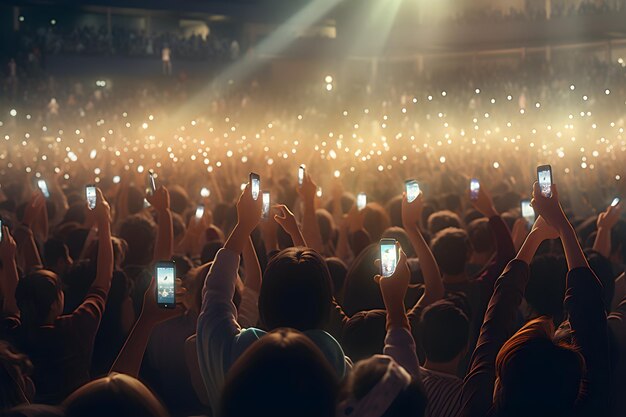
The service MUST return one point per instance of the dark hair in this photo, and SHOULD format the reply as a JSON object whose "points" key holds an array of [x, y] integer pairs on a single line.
{"points": [[140, 234], [338, 271], [115, 395], [480, 235], [75, 213], [35, 294], [535, 376], [135, 200], [452, 202], [282, 374], [443, 219], [394, 208], [364, 334], [367, 373], [444, 331], [375, 220], [401, 236], [326, 224], [296, 291], [76, 241], [546, 286], [451, 248], [179, 200], [54, 250]]}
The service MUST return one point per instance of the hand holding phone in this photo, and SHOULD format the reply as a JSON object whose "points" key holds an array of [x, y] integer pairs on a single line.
{"points": [[90, 194], [165, 272], [199, 212], [266, 205], [474, 189], [361, 201], [43, 186], [615, 202], [544, 178], [152, 183], [388, 257], [255, 184], [412, 190], [301, 175]]}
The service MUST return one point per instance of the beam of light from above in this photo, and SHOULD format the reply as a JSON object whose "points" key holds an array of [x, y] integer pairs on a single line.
{"points": [[277, 42], [371, 33]]}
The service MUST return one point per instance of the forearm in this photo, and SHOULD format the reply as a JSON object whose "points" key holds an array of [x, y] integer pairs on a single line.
{"points": [[396, 317], [310, 229], [252, 267], [9, 284], [529, 248], [164, 247], [130, 357], [297, 238], [434, 289], [237, 240], [30, 252], [573, 253], [602, 243], [105, 257]]}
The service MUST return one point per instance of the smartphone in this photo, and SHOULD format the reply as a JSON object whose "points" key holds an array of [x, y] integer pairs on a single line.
{"points": [[301, 175], [43, 186], [528, 212], [199, 212], [255, 183], [166, 277], [474, 188], [266, 205], [388, 257], [544, 177], [1, 230], [205, 192], [361, 201], [615, 201], [412, 189], [90, 193], [152, 182]]}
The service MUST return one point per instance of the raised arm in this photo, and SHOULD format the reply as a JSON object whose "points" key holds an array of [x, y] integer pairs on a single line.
{"points": [[499, 323], [433, 285], [288, 222], [248, 309], [25, 236], [104, 272], [9, 276], [399, 343], [310, 229], [606, 221], [164, 246]]}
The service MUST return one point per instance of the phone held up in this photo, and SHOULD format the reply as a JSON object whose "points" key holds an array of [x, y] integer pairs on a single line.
{"points": [[388, 257], [544, 178], [165, 272], [90, 194], [255, 183]]}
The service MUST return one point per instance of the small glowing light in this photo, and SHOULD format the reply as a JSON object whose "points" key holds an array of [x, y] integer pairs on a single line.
{"points": [[205, 192], [116, 179], [607, 91], [537, 104], [243, 186], [13, 112], [509, 97], [572, 87], [477, 91], [329, 87], [22, 19], [337, 173], [144, 125], [328, 79], [93, 154], [493, 101], [496, 165], [617, 177], [53, 22], [443, 94], [585, 98], [140, 169], [442, 159]]}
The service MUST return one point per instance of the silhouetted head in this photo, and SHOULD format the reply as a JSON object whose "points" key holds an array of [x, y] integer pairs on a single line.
{"points": [[451, 249], [114, 395], [39, 298], [444, 331], [480, 236], [296, 291], [282, 374], [140, 234], [535, 376], [440, 220]]}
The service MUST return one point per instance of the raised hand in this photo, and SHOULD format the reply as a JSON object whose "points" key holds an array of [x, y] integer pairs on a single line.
{"points": [[543, 230], [549, 207], [308, 189], [483, 203], [249, 210], [608, 218], [33, 209], [393, 289], [103, 210], [412, 212], [8, 247], [287, 221], [160, 199]]}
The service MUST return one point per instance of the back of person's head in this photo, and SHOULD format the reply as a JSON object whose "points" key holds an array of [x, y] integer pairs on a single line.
{"points": [[296, 291], [470, 215], [545, 290], [375, 220], [338, 271], [76, 241], [326, 225], [114, 395], [140, 234], [402, 237], [364, 334], [36, 295], [451, 249], [394, 208], [535, 376], [75, 213], [480, 236], [380, 386], [282, 374], [452, 202], [179, 199], [56, 255], [444, 331], [361, 292], [178, 226], [135, 200], [443, 219], [16, 387]]}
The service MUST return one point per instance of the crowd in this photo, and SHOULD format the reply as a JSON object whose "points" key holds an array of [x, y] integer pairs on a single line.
{"points": [[287, 313], [123, 41]]}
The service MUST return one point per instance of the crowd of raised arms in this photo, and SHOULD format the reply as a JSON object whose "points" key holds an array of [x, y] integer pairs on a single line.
{"points": [[438, 249]]}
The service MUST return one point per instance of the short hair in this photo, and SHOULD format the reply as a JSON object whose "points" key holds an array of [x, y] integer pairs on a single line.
{"points": [[296, 291], [411, 401], [179, 199], [481, 236], [135, 200], [338, 271], [116, 394], [35, 294], [282, 374], [326, 225], [140, 234], [375, 220], [364, 334], [532, 366], [402, 237], [545, 290], [75, 213], [443, 219], [444, 331], [451, 248]]}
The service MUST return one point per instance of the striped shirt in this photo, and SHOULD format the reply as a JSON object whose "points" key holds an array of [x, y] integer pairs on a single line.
{"points": [[443, 392]]}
